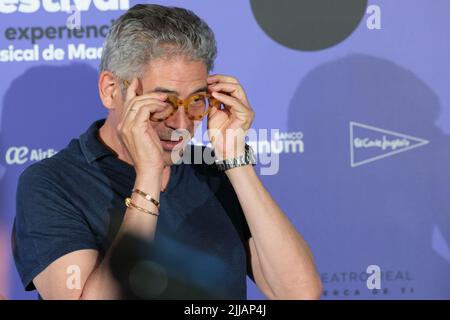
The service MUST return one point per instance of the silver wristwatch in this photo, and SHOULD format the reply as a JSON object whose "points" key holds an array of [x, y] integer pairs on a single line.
{"points": [[248, 158]]}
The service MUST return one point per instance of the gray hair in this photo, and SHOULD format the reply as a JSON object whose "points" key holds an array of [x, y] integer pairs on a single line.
{"points": [[147, 31]]}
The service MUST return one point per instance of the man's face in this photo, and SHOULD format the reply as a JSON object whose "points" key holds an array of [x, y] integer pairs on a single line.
{"points": [[179, 77]]}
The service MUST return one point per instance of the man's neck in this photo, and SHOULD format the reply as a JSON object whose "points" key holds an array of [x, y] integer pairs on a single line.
{"points": [[110, 138]]}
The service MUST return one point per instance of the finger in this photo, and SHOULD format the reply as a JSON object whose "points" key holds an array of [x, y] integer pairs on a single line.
{"points": [[161, 96], [129, 95], [217, 110], [131, 90], [236, 106], [154, 97], [221, 78], [141, 126], [243, 113], [223, 123], [136, 104], [213, 111], [216, 132], [233, 89], [145, 97], [141, 120], [134, 130], [132, 94], [153, 106]]}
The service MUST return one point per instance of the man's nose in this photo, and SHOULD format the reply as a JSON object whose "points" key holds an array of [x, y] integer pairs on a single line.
{"points": [[179, 120]]}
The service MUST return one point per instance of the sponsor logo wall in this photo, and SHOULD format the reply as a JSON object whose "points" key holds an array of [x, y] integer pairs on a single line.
{"points": [[353, 100]]}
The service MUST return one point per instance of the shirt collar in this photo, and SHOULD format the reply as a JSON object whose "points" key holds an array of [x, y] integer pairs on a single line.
{"points": [[92, 148]]}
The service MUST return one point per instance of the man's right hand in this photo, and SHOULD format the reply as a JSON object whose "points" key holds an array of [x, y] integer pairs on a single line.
{"points": [[136, 132]]}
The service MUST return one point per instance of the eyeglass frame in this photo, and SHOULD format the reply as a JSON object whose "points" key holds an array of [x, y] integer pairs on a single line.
{"points": [[177, 103]]}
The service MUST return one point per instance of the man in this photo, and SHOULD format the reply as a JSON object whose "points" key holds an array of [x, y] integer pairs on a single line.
{"points": [[123, 175]]}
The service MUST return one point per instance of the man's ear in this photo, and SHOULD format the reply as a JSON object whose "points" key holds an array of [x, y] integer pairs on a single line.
{"points": [[109, 90]]}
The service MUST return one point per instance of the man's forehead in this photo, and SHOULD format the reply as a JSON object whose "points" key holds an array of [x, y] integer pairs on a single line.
{"points": [[177, 68], [176, 80], [179, 80], [176, 91]]}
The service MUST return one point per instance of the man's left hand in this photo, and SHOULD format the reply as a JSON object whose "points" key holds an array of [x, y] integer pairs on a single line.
{"points": [[227, 127]]}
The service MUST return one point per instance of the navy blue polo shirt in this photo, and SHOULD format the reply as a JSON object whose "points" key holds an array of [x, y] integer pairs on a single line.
{"points": [[75, 200]]}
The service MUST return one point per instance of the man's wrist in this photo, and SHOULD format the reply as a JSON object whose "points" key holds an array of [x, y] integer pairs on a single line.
{"points": [[223, 153], [239, 172], [223, 156], [149, 183], [244, 158], [149, 175]]}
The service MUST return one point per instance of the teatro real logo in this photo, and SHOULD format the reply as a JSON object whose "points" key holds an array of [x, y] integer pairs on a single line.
{"points": [[368, 144]]}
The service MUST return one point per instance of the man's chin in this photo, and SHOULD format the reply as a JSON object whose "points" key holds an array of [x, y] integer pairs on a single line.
{"points": [[174, 155]]}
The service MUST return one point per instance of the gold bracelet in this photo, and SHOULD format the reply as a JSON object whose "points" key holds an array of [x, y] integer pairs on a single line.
{"points": [[147, 197], [129, 204]]}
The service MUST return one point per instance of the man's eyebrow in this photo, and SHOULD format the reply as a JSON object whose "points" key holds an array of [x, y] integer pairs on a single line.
{"points": [[176, 93]]}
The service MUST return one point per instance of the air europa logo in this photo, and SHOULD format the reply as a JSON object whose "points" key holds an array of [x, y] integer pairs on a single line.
{"points": [[21, 155], [52, 6]]}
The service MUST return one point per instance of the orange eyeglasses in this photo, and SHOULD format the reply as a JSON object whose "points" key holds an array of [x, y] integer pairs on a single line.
{"points": [[196, 106]]}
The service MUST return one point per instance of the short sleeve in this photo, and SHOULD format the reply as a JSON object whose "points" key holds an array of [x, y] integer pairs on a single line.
{"points": [[47, 225]]}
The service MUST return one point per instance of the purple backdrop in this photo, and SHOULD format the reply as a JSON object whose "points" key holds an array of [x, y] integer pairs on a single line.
{"points": [[368, 183]]}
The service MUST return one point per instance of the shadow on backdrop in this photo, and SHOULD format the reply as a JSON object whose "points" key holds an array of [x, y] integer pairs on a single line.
{"points": [[43, 109], [393, 212]]}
